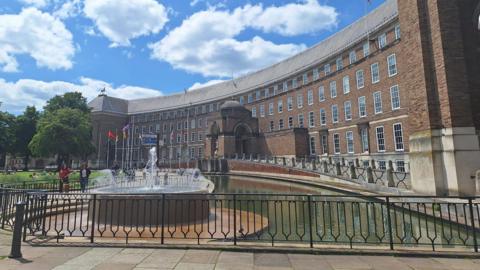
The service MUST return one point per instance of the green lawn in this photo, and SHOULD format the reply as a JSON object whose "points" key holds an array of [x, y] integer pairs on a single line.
{"points": [[39, 176]]}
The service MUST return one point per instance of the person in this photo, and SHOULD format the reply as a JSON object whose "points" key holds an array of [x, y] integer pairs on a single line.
{"points": [[84, 175], [63, 173]]}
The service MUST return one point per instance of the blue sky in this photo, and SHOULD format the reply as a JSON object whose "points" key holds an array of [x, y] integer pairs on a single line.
{"points": [[141, 48]]}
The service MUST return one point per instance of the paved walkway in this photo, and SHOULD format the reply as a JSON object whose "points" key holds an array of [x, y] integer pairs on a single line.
{"points": [[80, 258]]}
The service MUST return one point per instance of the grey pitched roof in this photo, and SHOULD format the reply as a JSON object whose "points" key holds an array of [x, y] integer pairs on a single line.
{"points": [[105, 103], [322, 51]]}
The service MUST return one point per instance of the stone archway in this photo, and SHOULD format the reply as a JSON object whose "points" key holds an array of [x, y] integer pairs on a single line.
{"points": [[243, 134]]}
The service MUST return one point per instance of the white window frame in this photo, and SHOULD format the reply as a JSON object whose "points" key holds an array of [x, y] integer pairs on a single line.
{"points": [[392, 67], [299, 100], [262, 110], [285, 86], [323, 117], [362, 107], [290, 122], [335, 113], [339, 63], [400, 137], [346, 84], [350, 142], [281, 125], [254, 111], [382, 41], [398, 33], [333, 89], [321, 93], [280, 106], [312, 145], [327, 69], [310, 97], [315, 74], [375, 72], [294, 83], [336, 143], [289, 103], [366, 49], [272, 125], [360, 78], [364, 140], [301, 120], [270, 108], [311, 119], [395, 97], [378, 139], [377, 102], [305, 78], [348, 113], [352, 57], [249, 100]]}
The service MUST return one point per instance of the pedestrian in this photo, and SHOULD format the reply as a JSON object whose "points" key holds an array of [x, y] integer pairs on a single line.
{"points": [[63, 173], [84, 175]]}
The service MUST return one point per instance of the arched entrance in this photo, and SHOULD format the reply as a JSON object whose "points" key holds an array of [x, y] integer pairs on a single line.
{"points": [[242, 136]]}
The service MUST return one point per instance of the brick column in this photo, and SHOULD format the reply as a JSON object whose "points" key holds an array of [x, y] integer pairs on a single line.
{"points": [[444, 146]]}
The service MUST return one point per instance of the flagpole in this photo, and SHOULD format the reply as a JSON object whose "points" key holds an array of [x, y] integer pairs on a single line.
{"points": [[116, 140], [132, 142], [108, 151], [123, 149]]}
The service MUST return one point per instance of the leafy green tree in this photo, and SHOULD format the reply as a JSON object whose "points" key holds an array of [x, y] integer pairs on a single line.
{"points": [[65, 132], [25, 128], [7, 136], [73, 100]]}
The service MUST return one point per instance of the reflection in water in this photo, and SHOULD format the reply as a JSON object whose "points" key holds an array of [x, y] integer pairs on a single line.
{"points": [[346, 219]]}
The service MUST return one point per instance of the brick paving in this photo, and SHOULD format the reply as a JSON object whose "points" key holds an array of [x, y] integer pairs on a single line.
{"points": [[102, 258]]}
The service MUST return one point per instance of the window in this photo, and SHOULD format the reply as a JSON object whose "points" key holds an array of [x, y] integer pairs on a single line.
{"points": [[364, 139], [305, 78], [392, 65], [360, 79], [349, 137], [333, 89], [192, 152], [257, 95], [311, 119], [397, 32], [294, 83], [200, 136], [254, 112], [300, 120], [193, 136], [280, 106], [179, 125], [262, 110], [324, 141], [299, 100], [362, 107], [321, 93], [339, 63], [377, 102], [380, 139], [289, 103], [316, 75], [272, 126], [400, 164], [395, 97], [179, 138], [249, 98], [241, 100], [312, 145], [200, 122], [323, 117], [185, 137], [382, 40], [285, 86], [280, 124], [200, 152], [185, 125], [310, 97], [348, 110], [398, 136], [346, 85], [336, 143], [334, 113], [193, 123], [382, 164], [327, 69], [270, 108], [157, 127], [366, 49], [267, 93], [375, 73], [352, 57], [290, 122], [275, 90]]}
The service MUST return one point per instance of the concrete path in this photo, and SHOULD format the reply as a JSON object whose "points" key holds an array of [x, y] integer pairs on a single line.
{"points": [[80, 258]]}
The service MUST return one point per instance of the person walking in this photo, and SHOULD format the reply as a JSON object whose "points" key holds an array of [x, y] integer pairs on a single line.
{"points": [[63, 173], [84, 175]]}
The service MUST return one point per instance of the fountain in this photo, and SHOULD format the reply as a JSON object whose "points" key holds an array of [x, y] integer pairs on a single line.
{"points": [[123, 201]]}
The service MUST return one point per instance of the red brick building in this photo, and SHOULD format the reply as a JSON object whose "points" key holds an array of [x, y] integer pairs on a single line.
{"points": [[400, 84]]}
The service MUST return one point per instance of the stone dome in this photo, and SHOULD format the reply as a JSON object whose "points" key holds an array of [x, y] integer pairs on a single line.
{"points": [[231, 104]]}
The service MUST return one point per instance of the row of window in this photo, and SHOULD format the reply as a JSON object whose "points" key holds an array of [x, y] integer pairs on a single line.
{"points": [[364, 140], [327, 70], [347, 108]]}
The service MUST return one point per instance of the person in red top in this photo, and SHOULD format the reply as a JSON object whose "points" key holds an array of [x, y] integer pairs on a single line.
{"points": [[63, 173]]}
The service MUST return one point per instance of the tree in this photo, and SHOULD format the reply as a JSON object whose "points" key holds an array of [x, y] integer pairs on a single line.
{"points": [[65, 132], [72, 100], [7, 137], [26, 126]]}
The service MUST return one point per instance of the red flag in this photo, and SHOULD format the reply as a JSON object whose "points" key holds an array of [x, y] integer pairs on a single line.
{"points": [[111, 135]]}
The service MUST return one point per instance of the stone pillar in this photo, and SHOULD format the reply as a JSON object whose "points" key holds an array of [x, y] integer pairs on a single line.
{"points": [[439, 69]]}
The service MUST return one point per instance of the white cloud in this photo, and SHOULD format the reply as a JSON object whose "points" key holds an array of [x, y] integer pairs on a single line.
{"points": [[122, 20], [70, 8], [15, 96], [296, 18], [198, 85], [35, 3], [40, 35], [206, 42]]}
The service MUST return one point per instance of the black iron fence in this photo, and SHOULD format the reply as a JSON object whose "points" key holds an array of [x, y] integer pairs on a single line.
{"points": [[248, 219]]}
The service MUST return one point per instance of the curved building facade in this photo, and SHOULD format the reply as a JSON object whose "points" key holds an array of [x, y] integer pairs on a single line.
{"points": [[398, 84]]}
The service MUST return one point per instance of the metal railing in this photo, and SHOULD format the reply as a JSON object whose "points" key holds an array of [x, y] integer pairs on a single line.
{"points": [[436, 223]]}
